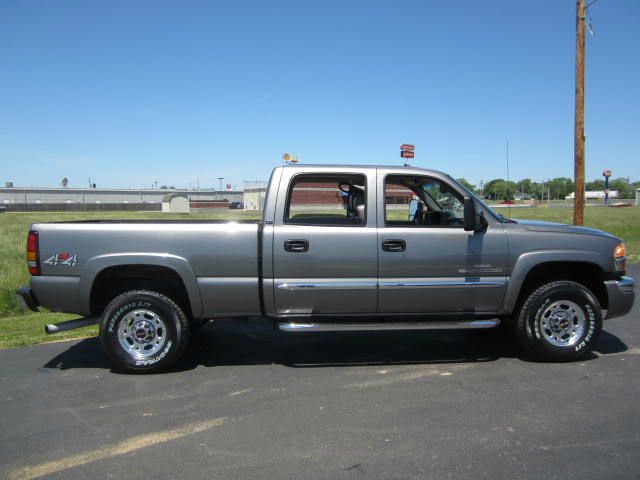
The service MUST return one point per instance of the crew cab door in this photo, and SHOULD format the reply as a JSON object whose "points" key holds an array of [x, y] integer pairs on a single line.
{"points": [[428, 263], [325, 242]]}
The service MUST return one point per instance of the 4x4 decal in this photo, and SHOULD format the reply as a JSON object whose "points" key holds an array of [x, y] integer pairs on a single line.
{"points": [[62, 258]]}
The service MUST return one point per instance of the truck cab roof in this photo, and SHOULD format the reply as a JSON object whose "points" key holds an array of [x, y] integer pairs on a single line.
{"points": [[342, 167]]}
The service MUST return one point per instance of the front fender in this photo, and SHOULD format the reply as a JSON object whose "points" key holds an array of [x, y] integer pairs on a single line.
{"points": [[178, 264], [528, 260]]}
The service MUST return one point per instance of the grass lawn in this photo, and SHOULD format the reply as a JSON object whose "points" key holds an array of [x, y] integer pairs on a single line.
{"points": [[28, 329], [19, 328]]}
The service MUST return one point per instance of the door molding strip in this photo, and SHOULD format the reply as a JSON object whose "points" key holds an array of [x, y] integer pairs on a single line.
{"points": [[330, 285]]}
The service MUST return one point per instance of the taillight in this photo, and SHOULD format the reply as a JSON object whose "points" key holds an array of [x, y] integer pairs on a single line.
{"points": [[33, 260]]}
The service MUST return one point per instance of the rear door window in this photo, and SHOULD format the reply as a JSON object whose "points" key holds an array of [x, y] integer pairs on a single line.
{"points": [[327, 200]]}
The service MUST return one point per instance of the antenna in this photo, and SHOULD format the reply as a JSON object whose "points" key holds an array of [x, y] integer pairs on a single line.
{"points": [[508, 181]]}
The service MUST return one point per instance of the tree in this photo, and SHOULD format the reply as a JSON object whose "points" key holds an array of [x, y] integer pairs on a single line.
{"points": [[560, 187], [468, 185], [594, 186], [499, 189], [524, 185], [489, 188], [623, 187], [536, 190]]}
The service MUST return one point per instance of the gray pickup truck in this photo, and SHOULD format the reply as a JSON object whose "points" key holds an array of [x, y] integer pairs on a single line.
{"points": [[339, 248]]}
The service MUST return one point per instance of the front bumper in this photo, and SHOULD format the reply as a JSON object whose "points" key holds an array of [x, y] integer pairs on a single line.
{"points": [[621, 296], [26, 299]]}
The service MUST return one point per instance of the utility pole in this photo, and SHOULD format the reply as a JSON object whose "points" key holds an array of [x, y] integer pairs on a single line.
{"points": [[578, 140]]}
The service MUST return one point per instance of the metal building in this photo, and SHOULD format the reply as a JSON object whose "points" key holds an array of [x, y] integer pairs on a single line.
{"points": [[254, 194], [62, 199]]}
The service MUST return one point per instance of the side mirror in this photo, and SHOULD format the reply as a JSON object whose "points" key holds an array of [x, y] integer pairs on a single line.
{"points": [[469, 214], [413, 208], [472, 222]]}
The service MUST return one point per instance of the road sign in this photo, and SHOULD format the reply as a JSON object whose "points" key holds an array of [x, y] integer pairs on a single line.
{"points": [[606, 173], [407, 147], [407, 154]]}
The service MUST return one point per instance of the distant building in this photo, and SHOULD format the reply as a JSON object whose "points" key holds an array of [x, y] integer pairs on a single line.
{"points": [[254, 195], [78, 199], [175, 203], [594, 195]]}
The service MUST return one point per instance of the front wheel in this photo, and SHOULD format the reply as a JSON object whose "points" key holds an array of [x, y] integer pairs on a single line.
{"points": [[143, 331], [559, 321]]}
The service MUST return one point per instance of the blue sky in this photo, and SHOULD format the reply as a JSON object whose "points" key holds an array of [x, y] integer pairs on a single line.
{"points": [[178, 92]]}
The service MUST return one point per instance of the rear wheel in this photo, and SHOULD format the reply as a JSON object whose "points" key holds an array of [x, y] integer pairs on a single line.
{"points": [[143, 331], [559, 321]]}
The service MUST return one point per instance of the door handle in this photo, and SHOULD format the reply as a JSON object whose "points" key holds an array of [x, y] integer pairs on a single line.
{"points": [[296, 245], [394, 245]]}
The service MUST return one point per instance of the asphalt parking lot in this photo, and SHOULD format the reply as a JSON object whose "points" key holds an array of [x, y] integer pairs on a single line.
{"points": [[248, 402]]}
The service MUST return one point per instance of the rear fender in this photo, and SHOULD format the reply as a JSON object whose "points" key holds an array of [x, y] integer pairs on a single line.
{"points": [[178, 264]]}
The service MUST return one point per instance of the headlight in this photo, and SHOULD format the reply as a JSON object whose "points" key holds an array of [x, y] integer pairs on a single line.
{"points": [[619, 257]]}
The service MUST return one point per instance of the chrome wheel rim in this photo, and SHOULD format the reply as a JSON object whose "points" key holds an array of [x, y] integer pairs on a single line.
{"points": [[562, 323], [142, 333]]}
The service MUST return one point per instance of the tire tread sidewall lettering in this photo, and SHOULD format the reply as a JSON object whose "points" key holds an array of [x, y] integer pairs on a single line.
{"points": [[528, 329], [177, 326]]}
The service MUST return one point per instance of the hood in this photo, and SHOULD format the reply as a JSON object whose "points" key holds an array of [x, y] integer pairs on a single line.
{"points": [[539, 226]]}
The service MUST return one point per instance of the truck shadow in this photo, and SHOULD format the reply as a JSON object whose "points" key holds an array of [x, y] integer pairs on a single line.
{"points": [[257, 343]]}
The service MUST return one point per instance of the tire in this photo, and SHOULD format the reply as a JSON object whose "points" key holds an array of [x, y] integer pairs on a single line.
{"points": [[559, 322], [143, 331]]}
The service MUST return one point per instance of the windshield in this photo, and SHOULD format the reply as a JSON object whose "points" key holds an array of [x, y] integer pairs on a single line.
{"points": [[496, 215]]}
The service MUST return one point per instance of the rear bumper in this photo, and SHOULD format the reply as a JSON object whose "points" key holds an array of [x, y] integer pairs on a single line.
{"points": [[621, 296], [26, 300]]}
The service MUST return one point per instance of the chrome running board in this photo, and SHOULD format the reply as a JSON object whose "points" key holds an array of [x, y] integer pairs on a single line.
{"points": [[299, 327]]}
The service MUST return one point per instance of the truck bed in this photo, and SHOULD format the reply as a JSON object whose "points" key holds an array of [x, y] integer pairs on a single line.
{"points": [[217, 260]]}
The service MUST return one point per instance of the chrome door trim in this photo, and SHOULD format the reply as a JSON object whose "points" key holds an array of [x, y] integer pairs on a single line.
{"points": [[328, 285], [429, 283]]}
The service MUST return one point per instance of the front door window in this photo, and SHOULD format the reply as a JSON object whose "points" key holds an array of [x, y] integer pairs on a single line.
{"points": [[422, 202]]}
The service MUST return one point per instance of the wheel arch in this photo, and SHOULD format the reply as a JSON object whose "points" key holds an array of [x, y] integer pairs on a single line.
{"points": [[109, 275], [534, 268]]}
